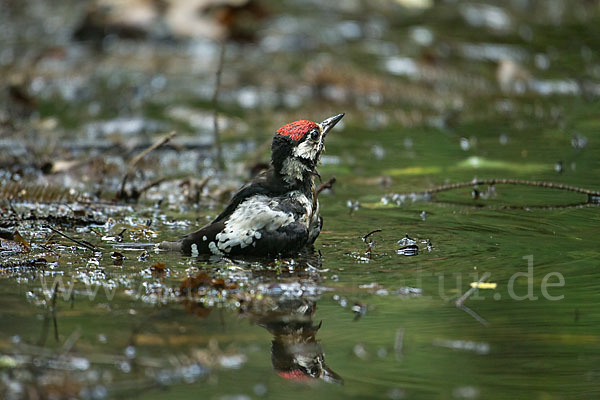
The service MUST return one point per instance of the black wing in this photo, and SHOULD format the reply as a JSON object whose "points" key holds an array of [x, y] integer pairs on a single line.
{"points": [[201, 238], [265, 183]]}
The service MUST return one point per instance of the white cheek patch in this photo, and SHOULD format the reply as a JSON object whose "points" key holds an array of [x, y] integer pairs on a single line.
{"points": [[242, 228], [307, 149]]}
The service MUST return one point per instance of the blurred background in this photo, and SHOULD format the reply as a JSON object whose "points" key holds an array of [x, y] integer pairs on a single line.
{"points": [[434, 91], [82, 79]]}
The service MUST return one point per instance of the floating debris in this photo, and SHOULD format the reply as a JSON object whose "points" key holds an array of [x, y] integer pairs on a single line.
{"points": [[353, 205], [411, 250], [360, 310], [579, 141], [407, 291], [483, 285], [406, 241], [467, 345]]}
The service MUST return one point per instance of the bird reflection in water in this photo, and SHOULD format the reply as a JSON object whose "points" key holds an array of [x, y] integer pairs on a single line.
{"points": [[285, 307]]}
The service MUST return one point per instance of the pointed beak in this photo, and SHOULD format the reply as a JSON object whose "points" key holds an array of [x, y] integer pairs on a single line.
{"points": [[329, 376], [330, 123]]}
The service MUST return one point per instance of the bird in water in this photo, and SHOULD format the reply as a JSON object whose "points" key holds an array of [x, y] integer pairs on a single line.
{"points": [[278, 212]]}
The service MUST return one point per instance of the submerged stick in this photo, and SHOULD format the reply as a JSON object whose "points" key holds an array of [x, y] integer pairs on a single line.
{"points": [[54, 321], [521, 182], [473, 314], [326, 185], [215, 103], [469, 292], [399, 343], [364, 238], [460, 302], [160, 142], [151, 185], [87, 246]]}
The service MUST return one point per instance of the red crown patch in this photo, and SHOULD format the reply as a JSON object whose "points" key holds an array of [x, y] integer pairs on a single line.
{"points": [[296, 130]]}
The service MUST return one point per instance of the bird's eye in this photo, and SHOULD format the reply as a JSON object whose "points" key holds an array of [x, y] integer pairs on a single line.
{"points": [[314, 134]]}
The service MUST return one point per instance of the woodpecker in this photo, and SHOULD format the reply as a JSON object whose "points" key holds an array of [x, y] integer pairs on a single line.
{"points": [[278, 212], [296, 354]]}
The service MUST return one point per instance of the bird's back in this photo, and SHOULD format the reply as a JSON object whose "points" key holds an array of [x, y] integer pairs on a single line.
{"points": [[263, 218]]}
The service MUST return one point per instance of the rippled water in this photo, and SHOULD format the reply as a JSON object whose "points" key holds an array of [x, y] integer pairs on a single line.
{"points": [[433, 95]]}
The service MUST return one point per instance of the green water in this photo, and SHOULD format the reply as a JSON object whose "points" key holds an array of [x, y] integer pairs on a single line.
{"points": [[535, 336]]}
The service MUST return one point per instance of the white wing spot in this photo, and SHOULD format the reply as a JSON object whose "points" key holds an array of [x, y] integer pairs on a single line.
{"points": [[254, 214], [214, 249]]}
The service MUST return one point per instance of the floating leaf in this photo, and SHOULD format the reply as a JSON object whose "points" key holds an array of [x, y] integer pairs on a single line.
{"points": [[484, 285]]}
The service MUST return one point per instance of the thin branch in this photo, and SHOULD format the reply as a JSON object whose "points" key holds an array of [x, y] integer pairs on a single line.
{"points": [[364, 238], [521, 182], [54, 321], [215, 103], [87, 246], [326, 185], [160, 142], [150, 185], [399, 343], [473, 314], [469, 292]]}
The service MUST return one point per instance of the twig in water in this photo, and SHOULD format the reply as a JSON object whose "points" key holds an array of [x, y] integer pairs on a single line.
{"points": [[52, 311], [86, 245], [473, 314], [326, 185], [160, 142], [122, 194], [152, 184], [215, 103], [71, 340], [521, 182], [469, 292], [15, 212], [54, 321], [364, 238], [399, 343]]}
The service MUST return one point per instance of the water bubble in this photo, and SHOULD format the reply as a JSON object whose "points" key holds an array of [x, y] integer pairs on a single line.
{"points": [[542, 61], [464, 144], [130, 352], [402, 66], [378, 151], [396, 394], [466, 392], [260, 389], [125, 367], [360, 351], [422, 35], [578, 141]]}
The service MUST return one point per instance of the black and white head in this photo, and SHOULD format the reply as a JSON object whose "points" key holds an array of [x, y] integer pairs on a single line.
{"points": [[297, 148]]}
